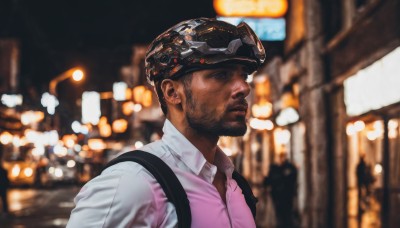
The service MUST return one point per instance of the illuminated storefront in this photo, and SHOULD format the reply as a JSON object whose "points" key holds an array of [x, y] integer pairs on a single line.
{"points": [[372, 99]]}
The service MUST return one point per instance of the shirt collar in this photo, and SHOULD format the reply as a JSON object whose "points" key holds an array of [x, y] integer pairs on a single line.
{"points": [[185, 151]]}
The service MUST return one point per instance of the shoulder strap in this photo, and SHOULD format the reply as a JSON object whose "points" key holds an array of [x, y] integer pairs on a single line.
{"points": [[251, 200], [173, 188], [166, 178]]}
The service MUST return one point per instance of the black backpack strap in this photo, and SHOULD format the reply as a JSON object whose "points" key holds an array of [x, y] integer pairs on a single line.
{"points": [[166, 178], [251, 200]]}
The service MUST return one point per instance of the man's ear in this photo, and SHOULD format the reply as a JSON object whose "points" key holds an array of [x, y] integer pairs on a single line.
{"points": [[170, 91]]}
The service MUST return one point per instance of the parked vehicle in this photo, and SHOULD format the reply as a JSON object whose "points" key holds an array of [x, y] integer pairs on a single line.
{"points": [[21, 171], [57, 171], [25, 170]]}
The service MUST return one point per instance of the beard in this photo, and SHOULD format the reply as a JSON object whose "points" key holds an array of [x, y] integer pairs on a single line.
{"points": [[206, 121], [217, 127]]}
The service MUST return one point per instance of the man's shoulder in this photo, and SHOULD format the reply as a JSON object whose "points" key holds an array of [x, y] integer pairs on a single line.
{"points": [[124, 178], [123, 190], [134, 168]]}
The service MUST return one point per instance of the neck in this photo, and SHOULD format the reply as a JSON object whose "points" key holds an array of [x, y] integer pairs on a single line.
{"points": [[206, 144]]}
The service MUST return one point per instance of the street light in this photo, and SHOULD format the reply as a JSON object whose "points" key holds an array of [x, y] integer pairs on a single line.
{"points": [[76, 73], [50, 100]]}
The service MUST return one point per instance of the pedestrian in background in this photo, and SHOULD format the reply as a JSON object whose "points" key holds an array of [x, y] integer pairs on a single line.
{"points": [[282, 180], [199, 68], [365, 180], [4, 185]]}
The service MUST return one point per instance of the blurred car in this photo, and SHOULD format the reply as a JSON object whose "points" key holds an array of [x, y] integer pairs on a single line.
{"points": [[21, 172], [61, 170]]}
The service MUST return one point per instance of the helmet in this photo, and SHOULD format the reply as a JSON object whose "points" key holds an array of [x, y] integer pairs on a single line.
{"points": [[200, 44]]}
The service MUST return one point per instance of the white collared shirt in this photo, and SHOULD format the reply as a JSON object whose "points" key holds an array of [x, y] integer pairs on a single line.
{"points": [[127, 195]]}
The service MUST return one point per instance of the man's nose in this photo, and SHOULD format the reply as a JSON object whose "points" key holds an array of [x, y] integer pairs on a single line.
{"points": [[241, 87]]}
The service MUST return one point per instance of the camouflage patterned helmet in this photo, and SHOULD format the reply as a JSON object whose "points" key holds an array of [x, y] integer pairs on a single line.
{"points": [[200, 44]]}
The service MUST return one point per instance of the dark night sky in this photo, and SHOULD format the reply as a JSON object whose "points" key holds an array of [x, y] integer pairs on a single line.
{"points": [[96, 34]]}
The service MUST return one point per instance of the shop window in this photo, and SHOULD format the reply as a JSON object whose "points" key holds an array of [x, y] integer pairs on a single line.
{"points": [[364, 172]]}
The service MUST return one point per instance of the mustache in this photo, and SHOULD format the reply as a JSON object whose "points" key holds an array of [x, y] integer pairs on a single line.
{"points": [[238, 105]]}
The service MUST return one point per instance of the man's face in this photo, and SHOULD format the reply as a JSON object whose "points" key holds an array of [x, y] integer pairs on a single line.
{"points": [[215, 101]]}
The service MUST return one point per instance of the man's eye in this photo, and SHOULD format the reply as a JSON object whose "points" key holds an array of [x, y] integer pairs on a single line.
{"points": [[221, 75]]}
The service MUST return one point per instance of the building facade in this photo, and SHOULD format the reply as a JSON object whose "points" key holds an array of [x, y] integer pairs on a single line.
{"points": [[339, 73]]}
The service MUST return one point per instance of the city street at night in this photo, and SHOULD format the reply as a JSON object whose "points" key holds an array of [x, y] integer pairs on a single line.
{"points": [[31, 207], [293, 102]]}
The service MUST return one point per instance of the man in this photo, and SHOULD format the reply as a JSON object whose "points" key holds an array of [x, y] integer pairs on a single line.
{"points": [[365, 180], [283, 181], [199, 69]]}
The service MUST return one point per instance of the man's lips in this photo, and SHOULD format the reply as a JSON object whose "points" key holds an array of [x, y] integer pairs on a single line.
{"points": [[241, 109]]}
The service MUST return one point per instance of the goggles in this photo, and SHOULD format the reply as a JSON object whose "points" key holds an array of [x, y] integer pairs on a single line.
{"points": [[200, 44]]}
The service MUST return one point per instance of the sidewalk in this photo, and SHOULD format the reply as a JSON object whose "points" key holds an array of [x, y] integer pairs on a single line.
{"points": [[370, 218]]}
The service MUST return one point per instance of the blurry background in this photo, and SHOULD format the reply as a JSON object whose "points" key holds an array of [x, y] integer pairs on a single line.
{"points": [[74, 95]]}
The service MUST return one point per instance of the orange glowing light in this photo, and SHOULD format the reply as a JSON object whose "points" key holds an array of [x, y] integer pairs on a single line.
{"points": [[142, 95], [96, 144], [6, 137], [105, 130], [77, 75], [128, 93], [119, 125], [262, 88], [251, 8], [69, 140], [147, 98], [262, 110], [127, 108], [138, 93]]}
